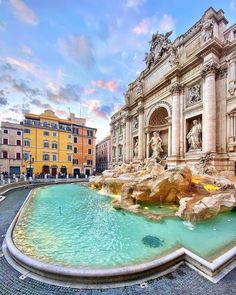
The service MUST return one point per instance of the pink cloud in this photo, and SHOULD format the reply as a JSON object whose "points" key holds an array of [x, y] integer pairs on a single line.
{"points": [[89, 91], [143, 27], [21, 64], [134, 3], [95, 107], [162, 23], [108, 85], [23, 12]]}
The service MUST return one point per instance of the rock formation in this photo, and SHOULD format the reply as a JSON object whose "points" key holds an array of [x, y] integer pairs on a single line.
{"points": [[199, 197]]}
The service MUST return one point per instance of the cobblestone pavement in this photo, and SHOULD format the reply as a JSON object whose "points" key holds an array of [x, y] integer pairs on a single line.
{"points": [[183, 281]]}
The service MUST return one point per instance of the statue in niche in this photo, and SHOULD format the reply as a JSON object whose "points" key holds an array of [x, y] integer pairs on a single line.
{"points": [[156, 144], [136, 149], [194, 94], [207, 29], [194, 136]]}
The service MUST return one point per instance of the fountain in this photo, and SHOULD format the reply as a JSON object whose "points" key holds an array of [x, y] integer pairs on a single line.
{"points": [[199, 193]]}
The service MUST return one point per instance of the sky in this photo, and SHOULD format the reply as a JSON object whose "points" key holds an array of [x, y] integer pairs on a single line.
{"points": [[80, 55]]}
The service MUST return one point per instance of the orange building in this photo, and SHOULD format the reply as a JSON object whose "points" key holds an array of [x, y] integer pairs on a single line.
{"points": [[52, 145]]}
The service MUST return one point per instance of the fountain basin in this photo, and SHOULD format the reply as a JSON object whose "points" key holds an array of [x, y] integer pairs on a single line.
{"points": [[105, 245]]}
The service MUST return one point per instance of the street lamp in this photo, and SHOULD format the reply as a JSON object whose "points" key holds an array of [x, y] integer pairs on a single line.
{"points": [[30, 174]]}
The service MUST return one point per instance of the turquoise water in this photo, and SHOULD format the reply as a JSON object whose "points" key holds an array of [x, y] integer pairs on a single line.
{"points": [[73, 225]]}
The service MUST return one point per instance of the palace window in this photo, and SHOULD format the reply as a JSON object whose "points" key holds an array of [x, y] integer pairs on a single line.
{"points": [[54, 145], [89, 151], [75, 150], [46, 144], [25, 156], [75, 130], [54, 125], [75, 161], [4, 154], [5, 131], [5, 141], [69, 158], [18, 142], [46, 157], [18, 133], [45, 124], [90, 132], [69, 147], [69, 135], [75, 139], [54, 157], [18, 156], [54, 134], [26, 142], [89, 162], [26, 130], [89, 141], [46, 133]]}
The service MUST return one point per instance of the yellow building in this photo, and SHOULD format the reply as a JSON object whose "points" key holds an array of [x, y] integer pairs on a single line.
{"points": [[47, 144]]}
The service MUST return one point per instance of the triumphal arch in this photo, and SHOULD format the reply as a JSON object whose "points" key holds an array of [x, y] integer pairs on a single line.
{"points": [[185, 97]]}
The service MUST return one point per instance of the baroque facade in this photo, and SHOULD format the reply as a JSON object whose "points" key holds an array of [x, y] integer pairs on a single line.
{"points": [[187, 95]]}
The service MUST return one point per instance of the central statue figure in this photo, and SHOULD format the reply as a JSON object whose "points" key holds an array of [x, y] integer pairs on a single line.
{"points": [[156, 143]]}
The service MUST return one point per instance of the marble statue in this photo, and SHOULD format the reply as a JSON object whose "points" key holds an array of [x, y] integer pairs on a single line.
{"points": [[207, 29], [194, 94], [194, 136], [136, 149], [156, 143], [159, 44]]}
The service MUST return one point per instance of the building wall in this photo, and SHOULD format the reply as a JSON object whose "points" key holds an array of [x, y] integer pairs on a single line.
{"points": [[103, 154], [60, 134], [11, 148], [192, 78]]}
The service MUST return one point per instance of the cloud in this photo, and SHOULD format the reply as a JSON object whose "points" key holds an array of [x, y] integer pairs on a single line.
{"points": [[21, 64], [134, 3], [7, 67], [233, 5], [23, 12], [143, 27], [20, 108], [3, 98], [77, 48], [148, 25], [108, 85], [89, 91], [102, 111], [66, 93], [26, 50], [20, 86], [40, 104]]}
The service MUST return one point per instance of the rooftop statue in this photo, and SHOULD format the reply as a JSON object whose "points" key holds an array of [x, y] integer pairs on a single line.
{"points": [[159, 44]]}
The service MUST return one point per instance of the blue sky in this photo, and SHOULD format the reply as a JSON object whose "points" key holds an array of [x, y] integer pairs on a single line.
{"points": [[80, 55]]}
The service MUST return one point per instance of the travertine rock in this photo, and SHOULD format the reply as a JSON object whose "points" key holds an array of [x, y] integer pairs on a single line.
{"points": [[207, 207]]}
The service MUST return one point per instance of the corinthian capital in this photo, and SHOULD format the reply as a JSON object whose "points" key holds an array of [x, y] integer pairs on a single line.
{"points": [[210, 68], [176, 88]]}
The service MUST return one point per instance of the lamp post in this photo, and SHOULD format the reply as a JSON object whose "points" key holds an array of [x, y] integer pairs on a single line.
{"points": [[30, 174]]}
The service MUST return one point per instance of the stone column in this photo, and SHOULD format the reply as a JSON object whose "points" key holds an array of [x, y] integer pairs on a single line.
{"points": [[175, 89], [140, 132], [147, 146], [182, 139], [209, 106], [127, 139]]}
